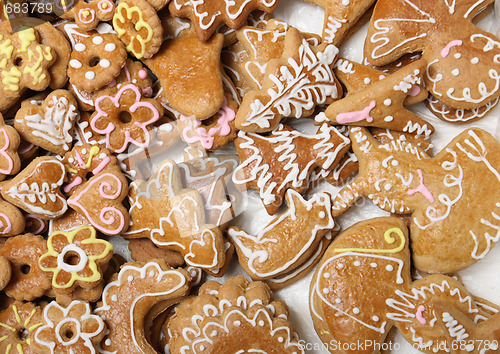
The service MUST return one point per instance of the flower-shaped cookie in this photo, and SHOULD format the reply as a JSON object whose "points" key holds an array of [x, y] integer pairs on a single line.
{"points": [[75, 257], [87, 15], [18, 324], [125, 118], [24, 62], [71, 329]]}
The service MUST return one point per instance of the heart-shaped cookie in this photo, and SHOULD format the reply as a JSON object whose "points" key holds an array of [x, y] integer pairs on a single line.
{"points": [[100, 201], [49, 124], [36, 189]]}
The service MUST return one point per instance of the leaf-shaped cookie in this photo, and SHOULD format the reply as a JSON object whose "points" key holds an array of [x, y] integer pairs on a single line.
{"points": [[293, 85]]}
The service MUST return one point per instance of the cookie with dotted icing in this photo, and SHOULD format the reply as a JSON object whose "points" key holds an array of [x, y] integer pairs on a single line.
{"points": [[96, 59], [87, 15], [132, 293], [189, 73], [363, 287], [379, 101], [174, 217], [462, 60], [293, 85], [36, 189], [207, 15], [288, 240], [49, 124], [441, 193], [236, 316], [272, 164]]}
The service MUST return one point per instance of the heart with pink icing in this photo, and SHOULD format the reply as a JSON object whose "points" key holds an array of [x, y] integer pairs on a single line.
{"points": [[100, 201]]}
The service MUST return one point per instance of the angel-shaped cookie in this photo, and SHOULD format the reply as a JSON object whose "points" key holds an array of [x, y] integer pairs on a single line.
{"points": [[363, 287], [447, 201], [462, 60], [174, 218]]}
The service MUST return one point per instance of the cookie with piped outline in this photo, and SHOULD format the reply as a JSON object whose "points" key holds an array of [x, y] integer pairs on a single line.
{"points": [[462, 69], [10, 163], [237, 315], [441, 193]]}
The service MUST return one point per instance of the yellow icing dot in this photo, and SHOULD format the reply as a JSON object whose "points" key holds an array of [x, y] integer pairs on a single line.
{"points": [[86, 13], [105, 5]]}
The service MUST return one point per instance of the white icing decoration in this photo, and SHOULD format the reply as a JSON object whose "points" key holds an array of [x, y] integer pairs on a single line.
{"points": [[90, 75], [75, 64], [110, 47], [104, 63], [80, 47], [331, 28], [97, 40]]}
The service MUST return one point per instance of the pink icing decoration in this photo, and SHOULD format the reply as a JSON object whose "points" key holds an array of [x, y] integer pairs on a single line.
{"points": [[422, 188], [80, 160], [415, 90], [111, 127], [446, 50], [3, 152], [101, 166], [8, 227], [381, 77], [419, 316], [81, 16], [78, 180], [357, 116], [27, 148], [147, 92], [29, 222], [143, 74], [112, 83], [104, 188], [129, 78], [206, 138], [105, 10]]}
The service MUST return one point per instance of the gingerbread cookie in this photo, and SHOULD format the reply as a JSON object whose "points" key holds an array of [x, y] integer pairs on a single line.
{"points": [[378, 101], [25, 64], [69, 329], [10, 163], [288, 240], [87, 15], [130, 296], [235, 316], [440, 193], [271, 165], [363, 287], [96, 60], [293, 85], [11, 219], [462, 65], [75, 258], [139, 28], [18, 324], [124, 117], [28, 281], [190, 75], [174, 218], [50, 124], [459, 115], [207, 15], [100, 201], [143, 250], [36, 189]]}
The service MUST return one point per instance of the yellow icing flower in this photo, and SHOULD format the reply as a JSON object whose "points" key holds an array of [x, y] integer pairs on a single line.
{"points": [[75, 256]]}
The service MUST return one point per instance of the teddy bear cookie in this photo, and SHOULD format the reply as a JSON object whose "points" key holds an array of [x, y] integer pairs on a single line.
{"points": [[236, 316]]}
